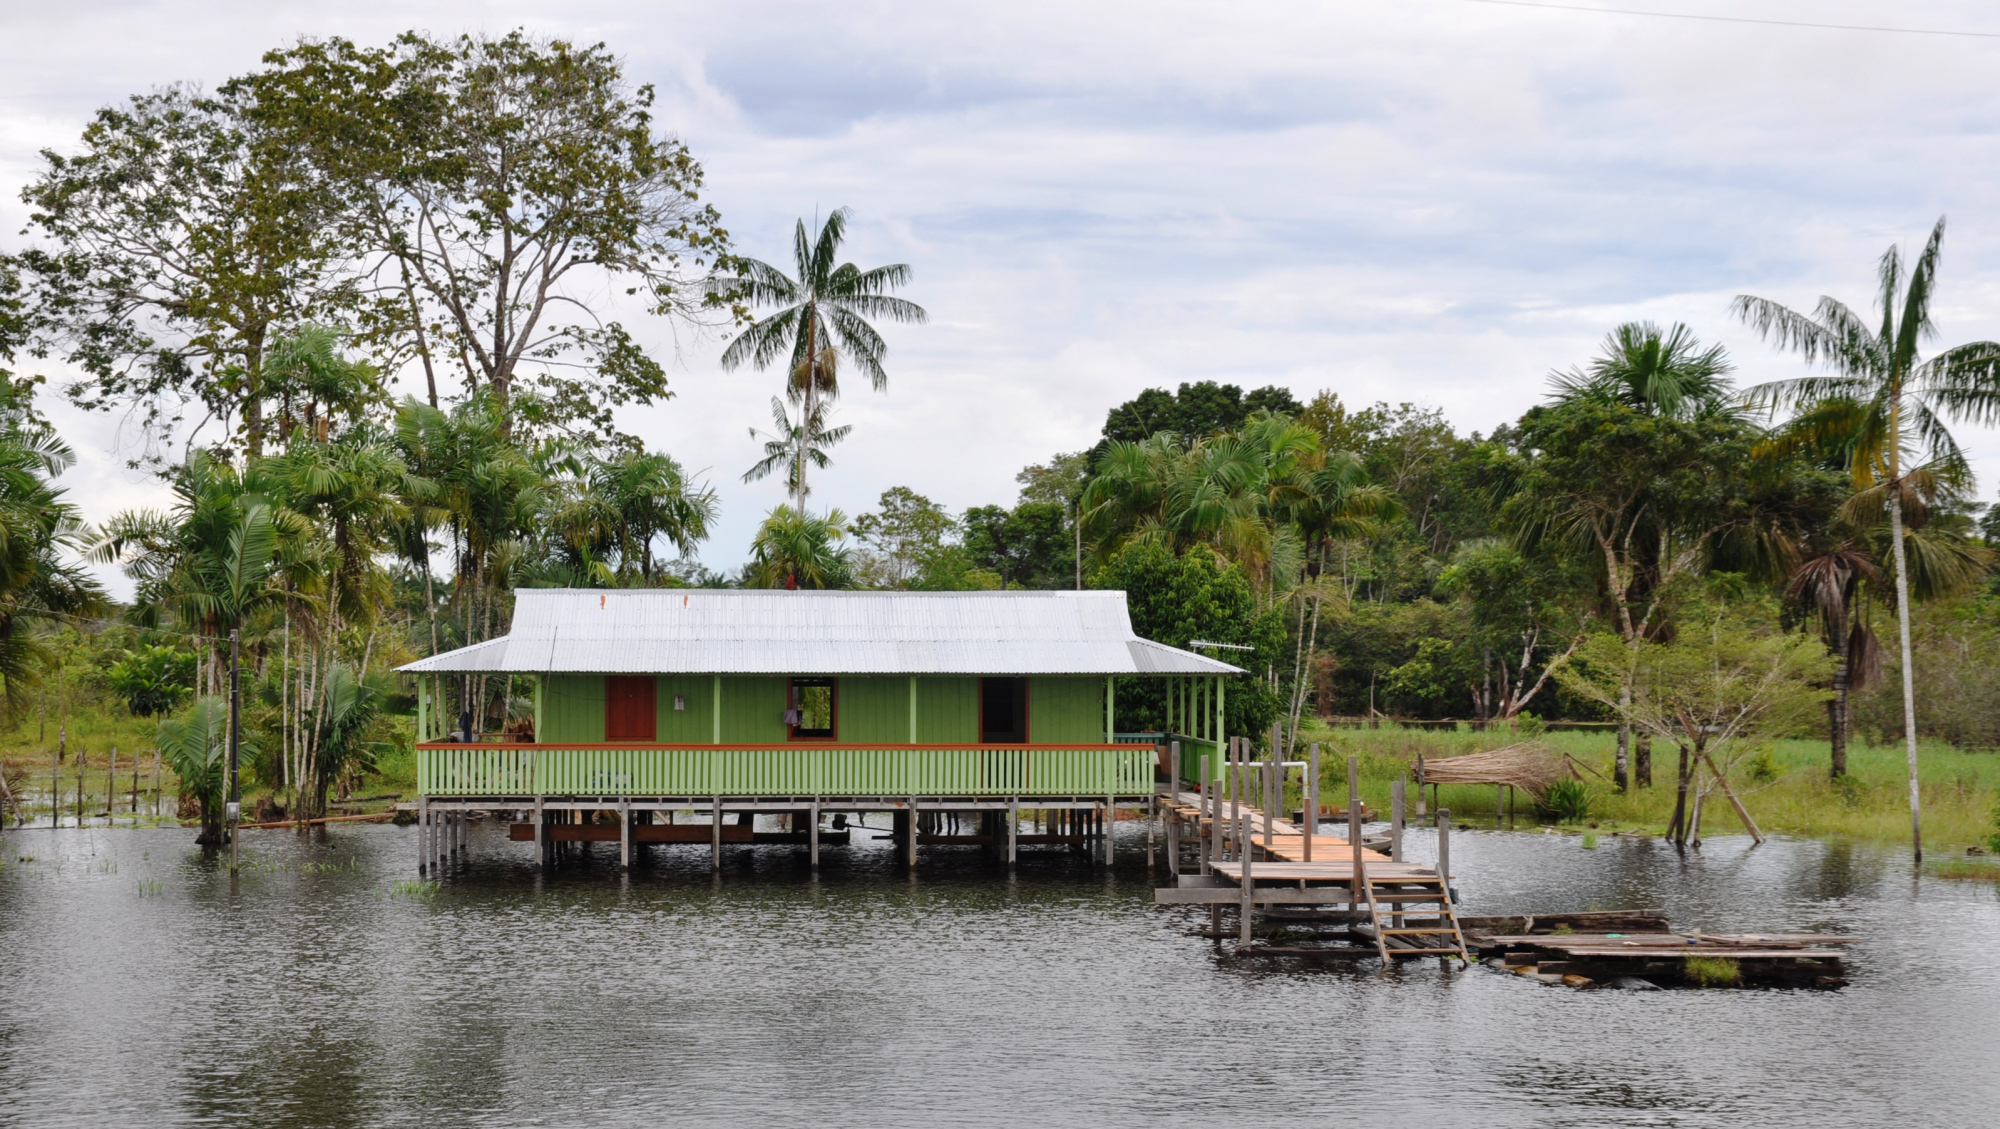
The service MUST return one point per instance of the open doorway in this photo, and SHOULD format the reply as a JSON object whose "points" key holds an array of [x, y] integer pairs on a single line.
{"points": [[1003, 711]]}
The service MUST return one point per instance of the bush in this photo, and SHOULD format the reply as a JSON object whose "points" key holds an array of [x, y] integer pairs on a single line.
{"points": [[1529, 724], [1565, 801], [153, 679], [1763, 768]]}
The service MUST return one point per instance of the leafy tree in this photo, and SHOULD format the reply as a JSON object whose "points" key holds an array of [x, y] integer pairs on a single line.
{"points": [[824, 314], [1060, 480], [904, 540], [491, 187], [793, 549], [1197, 410], [1884, 403], [1531, 610], [1175, 600], [180, 240], [153, 678], [1651, 500], [1029, 546], [1723, 682]]}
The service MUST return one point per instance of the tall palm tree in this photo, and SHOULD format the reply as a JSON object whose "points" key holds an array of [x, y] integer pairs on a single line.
{"points": [[1903, 401], [824, 314]]}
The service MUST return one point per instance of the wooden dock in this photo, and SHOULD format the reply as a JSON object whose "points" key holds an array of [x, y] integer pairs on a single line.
{"points": [[1252, 859]]}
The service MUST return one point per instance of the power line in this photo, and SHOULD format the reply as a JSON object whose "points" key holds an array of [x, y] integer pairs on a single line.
{"points": [[1735, 19]]}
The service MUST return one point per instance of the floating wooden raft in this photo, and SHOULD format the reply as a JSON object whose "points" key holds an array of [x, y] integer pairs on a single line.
{"points": [[1794, 958]]}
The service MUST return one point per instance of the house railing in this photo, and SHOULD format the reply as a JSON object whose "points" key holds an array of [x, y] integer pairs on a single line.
{"points": [[784, 770]]}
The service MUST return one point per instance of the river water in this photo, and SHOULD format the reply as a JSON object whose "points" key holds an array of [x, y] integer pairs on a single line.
{"points": [[139, 985]]}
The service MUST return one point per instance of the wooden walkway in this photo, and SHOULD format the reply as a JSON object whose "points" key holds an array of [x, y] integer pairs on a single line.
{"points": [[1403, 908]]}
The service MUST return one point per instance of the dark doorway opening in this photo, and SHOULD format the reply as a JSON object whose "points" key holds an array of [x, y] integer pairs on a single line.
{"points": [[1003, 711], [812, 713]]}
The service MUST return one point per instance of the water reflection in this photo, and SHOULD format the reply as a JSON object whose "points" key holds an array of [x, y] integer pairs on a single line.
{"points": [[140, 984]]}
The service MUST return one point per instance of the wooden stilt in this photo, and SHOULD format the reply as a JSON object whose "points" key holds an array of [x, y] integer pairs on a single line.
{"points": [[1310, 801], [1396, 820], [715, 833], [812, 834], [1013, 830], [1354, 831], [911, 840], [625, 834], [541, 834], [423, 830]]}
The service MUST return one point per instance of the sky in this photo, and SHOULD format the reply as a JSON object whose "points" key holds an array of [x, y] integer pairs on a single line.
{"points": [[1425, 201]]}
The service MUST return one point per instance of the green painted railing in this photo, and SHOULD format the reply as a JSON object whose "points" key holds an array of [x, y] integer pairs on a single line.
{"points": [[784, 770]]}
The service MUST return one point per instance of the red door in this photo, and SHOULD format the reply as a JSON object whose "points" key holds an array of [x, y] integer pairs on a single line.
{"points": [[630, 713]]}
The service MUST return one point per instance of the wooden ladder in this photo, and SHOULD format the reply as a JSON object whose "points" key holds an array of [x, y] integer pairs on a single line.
{"points": [[1421, 941]]}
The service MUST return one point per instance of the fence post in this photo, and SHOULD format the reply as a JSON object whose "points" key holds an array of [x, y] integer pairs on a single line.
{"points": [[1444, 852], [1396, 820]]}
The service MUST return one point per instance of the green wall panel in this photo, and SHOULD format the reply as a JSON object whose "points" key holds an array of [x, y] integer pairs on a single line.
{"points": [[947, 711], [875, 710], [753, 710], [573, 708], [1066, 711], [696, 723]]}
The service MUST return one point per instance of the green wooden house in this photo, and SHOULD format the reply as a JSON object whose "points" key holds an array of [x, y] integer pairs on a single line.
{"points": [[664, 698]]}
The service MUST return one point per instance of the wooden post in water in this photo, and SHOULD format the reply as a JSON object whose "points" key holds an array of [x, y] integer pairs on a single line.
{"points": [[423, 828], [624, 833], [541, 834], [715, 833], [1396, 820], [55, 783], [1246, 844], [135, 789], [1499, 804], [812, 835], [111, 785], [1013, 831], [156, 782], [1354, 882], [1444, 849], [1310, 801], [82, 767], [911, 841]]}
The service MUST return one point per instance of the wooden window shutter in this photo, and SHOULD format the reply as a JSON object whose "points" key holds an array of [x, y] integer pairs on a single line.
{"points": [[630, 712]]}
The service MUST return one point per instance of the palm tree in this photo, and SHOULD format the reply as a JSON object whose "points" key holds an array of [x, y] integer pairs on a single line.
{"points": [[793, 445], [197, 748], [1664, 373], [825, 314], [794, 549], [1903, 401], [340, 720], [37, 529]]}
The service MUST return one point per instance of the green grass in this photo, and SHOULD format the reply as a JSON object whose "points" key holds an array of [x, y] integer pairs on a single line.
{"points": [[1971, 869], [1960, 788], [1712, 972]]}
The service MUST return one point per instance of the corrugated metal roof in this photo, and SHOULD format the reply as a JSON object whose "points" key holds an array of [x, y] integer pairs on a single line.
{"points": [[729, 631]]}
